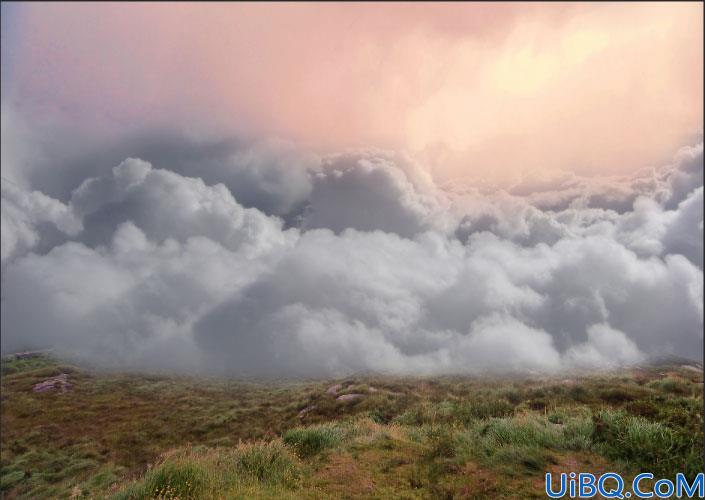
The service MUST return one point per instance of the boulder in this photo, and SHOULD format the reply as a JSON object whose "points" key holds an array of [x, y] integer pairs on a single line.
{"points": [[349, 397], [333, 389], [59, 383]]}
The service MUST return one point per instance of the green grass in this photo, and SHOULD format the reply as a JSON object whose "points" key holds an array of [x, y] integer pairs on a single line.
{"points": [[8, 367], [674, 385], [648, 445], [139, 436], [308, 441], [192, 473]]}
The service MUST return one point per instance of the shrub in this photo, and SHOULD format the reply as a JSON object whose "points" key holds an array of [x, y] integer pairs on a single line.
{"points": [[577, 433], [642, 409], [579, 394], [452, 412], [521, 431], [617, 395], [555, 418], [514, 396], [644, 444], [379, 416], [308, 441], [672, 385], [441, 442], [265, 462], [524, 440], [10, 478], [216, 472], [492, 408], [412, 416], [182, 479]]}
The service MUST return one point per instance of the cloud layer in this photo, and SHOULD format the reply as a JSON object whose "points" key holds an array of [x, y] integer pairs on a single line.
{"points": [[270, 260]]}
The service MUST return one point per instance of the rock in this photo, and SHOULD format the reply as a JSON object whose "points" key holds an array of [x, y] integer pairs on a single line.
{"points": [[333, 389], [305, 411], [60, 382], [349, 397]]}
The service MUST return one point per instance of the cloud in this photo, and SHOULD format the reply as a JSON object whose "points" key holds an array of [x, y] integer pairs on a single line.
{"points": [[23, 213], [168, 205], [604, 348], [270, 175], [685, 175], [377, 269], [684, 233], [374, 191]]}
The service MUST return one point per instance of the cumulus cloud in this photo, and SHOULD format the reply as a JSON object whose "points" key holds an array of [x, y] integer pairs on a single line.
{"points": [[361, 262], [374, 191], [270, 175], [605, 348], [23, 215], [168, 205]]}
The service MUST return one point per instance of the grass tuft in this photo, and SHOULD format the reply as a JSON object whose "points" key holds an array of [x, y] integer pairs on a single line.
{"points": [[309, 441], [192, 473]]}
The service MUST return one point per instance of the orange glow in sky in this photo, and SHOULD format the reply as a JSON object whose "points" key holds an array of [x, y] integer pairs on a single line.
{"points": [[473, 89]]}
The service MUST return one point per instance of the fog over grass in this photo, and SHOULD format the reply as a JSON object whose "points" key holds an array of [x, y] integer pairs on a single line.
{"points": [[259, 258]]}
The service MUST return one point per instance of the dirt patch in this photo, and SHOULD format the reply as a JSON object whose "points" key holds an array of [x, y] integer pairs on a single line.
{"points": [[574, 463], [342, 473], [480, 482]]}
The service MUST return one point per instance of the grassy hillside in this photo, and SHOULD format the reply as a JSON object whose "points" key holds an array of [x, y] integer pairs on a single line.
{"points": [[129, 436]]}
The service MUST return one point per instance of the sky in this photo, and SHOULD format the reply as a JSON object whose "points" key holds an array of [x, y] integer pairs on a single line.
{"points": [[318, 189], [479, 88]]}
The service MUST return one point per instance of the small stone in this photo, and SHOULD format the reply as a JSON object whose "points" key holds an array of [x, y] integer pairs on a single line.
{"points": [[349, 397], [306, 410], [333, 389]]}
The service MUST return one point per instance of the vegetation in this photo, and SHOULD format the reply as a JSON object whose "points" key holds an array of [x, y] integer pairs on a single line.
{"points": [[308, 441], [128, 436], [267, 468]]}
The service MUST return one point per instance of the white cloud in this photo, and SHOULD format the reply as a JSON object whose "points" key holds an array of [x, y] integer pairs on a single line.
{"points": [[387, 272], [168, 205], [23, 211], [375, 191], [605, 348]]}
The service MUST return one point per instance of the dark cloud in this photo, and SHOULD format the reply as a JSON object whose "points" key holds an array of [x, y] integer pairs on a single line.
{"points": [[271, 175]]}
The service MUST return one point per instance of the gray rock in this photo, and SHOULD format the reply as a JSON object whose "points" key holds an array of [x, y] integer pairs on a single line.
{"points": [[333, 389], [306, 410], [349, 397], [60, 383]]}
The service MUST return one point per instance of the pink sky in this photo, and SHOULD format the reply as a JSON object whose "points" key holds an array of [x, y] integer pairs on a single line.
{"points": [[474, 89]]}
